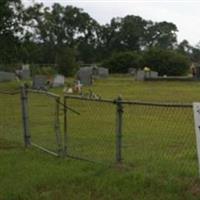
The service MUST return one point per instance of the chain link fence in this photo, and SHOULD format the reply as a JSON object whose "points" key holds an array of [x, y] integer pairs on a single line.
{"points": [[142, 135], [160, 138], [152, 136]]}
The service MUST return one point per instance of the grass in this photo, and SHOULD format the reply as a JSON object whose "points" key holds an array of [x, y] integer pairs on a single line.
{"points": [[159, 155]]}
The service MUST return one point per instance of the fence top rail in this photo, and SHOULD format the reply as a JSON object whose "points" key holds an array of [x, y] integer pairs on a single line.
{"points": [[88, 99], [159, 104], [133, 102], [50, 94]]}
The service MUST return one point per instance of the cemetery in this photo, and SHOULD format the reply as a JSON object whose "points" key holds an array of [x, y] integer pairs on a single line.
{"points": [[99, 102]]}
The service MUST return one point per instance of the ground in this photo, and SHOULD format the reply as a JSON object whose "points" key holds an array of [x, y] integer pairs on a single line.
{"points": [[159, 156]]}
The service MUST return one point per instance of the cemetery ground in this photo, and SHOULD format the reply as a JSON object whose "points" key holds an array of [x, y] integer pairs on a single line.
{"points": [[32, 174]]}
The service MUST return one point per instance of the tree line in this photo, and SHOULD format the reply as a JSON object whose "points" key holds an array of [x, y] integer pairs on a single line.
{"points": [[67, 36]]}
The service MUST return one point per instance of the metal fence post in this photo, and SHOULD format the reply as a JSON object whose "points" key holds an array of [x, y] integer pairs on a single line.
{"points": [[65, 125], [57, 126], [25, 116], [119, 118]]}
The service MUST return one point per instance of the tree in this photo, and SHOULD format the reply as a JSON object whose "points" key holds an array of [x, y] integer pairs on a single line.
{"points": [[166, 62], [121, 62], [124, 34], [160, 35], [66, 61], [60, 27], [10, 28]]}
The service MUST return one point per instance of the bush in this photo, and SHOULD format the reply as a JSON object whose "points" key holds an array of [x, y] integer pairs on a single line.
{"points": [[167, 62], [66, 61], [121, 62]]}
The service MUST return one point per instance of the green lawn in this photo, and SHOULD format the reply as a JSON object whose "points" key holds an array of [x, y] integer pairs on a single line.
{"points": [[159, 154]]}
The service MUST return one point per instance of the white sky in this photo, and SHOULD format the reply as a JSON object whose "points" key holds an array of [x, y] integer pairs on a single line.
{"points": [[184, 13]]}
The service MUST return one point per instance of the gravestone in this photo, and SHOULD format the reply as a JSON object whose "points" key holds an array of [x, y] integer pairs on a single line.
{"points": [[7, 76], [141, 75], [153, 74], [24, 73], [84, 75], [58, 81], [40, 82], [103, 72]]}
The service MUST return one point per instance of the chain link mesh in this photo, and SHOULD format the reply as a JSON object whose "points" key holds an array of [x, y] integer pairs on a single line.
{"points": [[160, 139], [42, 118], [155, 138], [91, 135]]}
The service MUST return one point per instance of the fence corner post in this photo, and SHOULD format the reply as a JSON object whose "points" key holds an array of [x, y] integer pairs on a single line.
{"points": [[25, 116], [119, 121]]}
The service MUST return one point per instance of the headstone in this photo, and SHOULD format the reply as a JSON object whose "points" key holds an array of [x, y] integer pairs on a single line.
{"points": [[25, 74], [84, 75], [7, 76], [140, 74], [25, 67], [58, 81], [103, 72], [40, 82], [153, 74]]}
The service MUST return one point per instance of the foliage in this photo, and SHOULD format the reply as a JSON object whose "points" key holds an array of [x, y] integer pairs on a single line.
{"points": [[49, 71], [37, 34], [66, 61], [121, 62], [166, 62]]}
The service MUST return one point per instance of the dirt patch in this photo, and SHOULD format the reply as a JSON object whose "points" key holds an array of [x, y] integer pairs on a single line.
{"points": [[195, 188], [5, 145]]}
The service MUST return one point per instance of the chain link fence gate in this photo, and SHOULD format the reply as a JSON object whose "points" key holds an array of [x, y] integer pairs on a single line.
{"points": [[150, 136], [43, 122]]}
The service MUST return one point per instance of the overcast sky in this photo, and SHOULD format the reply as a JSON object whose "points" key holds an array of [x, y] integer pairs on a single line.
{"points": [[184, 13]]}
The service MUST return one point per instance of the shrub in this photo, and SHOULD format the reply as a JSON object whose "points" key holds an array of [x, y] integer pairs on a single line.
{"points": [[167, 62], [66, 61], [121, 62]]}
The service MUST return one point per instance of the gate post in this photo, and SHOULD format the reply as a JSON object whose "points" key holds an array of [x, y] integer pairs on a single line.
{"points": [[65, 125], [25, 116], [119, 121], [57, 126]]}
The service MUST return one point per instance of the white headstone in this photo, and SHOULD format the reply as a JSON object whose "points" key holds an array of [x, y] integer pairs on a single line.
{"points": [[153, 74], [103, 72], [25, 67], [140, 75], [58, 81]]}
